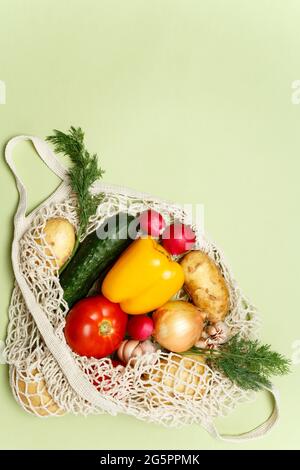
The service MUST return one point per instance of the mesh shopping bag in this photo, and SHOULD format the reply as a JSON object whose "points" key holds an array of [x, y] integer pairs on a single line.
{"points": [[48, 379]]}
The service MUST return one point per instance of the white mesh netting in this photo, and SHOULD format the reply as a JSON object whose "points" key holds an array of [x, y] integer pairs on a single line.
{"points": [[162, 387]]}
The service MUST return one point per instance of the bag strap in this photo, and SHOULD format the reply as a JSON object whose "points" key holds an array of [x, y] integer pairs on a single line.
{"points": [[48, 157], [58, 348], [257, 432]]}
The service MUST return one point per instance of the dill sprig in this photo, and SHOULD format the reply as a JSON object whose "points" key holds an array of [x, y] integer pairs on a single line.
{"points": [[83, 173], [246, 362]]}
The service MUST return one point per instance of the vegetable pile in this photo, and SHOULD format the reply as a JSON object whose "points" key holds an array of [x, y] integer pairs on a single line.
{"points": [[121, 290]]}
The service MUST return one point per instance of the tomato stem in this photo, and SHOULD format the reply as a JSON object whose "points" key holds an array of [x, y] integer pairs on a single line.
{"points": [[105, 328]]}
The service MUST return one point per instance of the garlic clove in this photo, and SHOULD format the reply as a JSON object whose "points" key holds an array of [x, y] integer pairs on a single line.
{"points": [[222, 334], [138, 351], [221, 325], [130, 348], [211, 330], [202, 344], [121, 350], [148, 347]]}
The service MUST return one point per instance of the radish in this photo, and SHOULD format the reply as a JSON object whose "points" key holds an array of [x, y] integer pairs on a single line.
{"points": [[140, 327], [152, 223], [178, 238]]}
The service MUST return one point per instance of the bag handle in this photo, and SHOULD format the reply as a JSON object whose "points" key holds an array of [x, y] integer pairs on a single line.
{"points": [[58, 348], [257, 432], [45, 153]]}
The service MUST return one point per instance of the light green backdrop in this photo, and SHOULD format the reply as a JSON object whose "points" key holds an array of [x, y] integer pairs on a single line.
{"points": [[186, 99]]}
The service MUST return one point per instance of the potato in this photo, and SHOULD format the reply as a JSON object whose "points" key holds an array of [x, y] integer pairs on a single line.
{"points": [[32, 391], [60, 235], [180, 376], [206, 285]]}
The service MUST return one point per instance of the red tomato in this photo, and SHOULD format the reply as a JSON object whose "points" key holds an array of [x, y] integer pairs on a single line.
{"points": [[178, 238], [95, 327]]}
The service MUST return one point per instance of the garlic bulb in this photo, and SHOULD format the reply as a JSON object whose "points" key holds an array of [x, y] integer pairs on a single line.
{"points": [[213, 335], [218, 333], [132, 348]]}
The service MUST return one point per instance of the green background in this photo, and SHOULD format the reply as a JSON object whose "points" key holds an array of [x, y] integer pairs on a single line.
{"points": [[189, 100]]}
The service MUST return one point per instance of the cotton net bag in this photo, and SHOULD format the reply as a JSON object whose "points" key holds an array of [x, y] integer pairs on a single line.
{"points": [[48, 379]]}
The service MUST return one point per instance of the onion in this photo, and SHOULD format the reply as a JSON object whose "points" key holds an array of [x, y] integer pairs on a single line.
{"points": [[177, 325], [152, 223]]}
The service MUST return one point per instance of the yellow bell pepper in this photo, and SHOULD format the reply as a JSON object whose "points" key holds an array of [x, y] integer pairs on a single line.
{"points": [[143, 278]]}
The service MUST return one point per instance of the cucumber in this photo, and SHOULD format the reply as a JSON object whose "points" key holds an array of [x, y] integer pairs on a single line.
{"points": [[94, 256]]}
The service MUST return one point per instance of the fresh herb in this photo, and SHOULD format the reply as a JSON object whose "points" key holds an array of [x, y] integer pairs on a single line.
{"points": [[84, 172], [246, 362]]}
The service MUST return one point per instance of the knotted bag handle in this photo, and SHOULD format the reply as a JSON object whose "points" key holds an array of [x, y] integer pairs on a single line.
{"points": [[259, 431]]}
